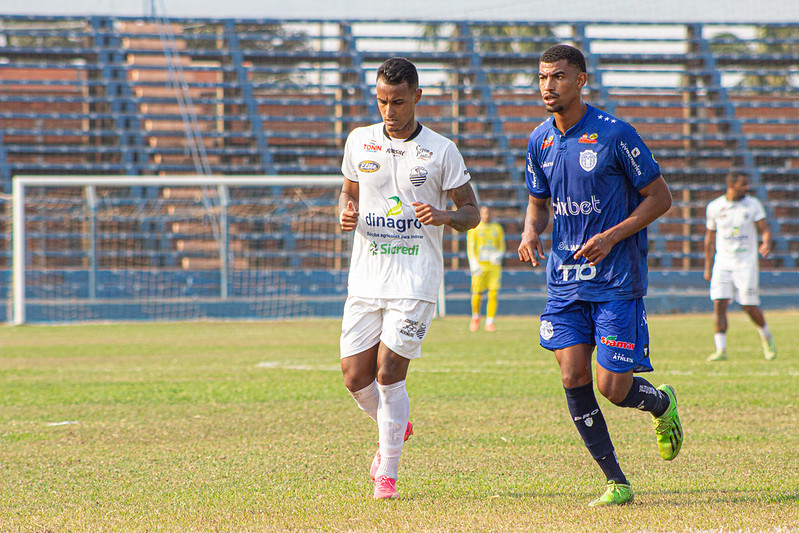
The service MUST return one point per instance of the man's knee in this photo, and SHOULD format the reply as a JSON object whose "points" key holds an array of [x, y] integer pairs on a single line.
{"points": [[614, 387]]}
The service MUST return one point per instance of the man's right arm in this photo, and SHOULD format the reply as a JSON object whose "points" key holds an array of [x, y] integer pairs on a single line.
{"points": [[710, 252], [536, 220], [348, 205]]}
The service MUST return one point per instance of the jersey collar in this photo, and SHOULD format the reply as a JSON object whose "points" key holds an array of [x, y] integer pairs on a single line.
{"points": [[415, 133], [590, 111]]}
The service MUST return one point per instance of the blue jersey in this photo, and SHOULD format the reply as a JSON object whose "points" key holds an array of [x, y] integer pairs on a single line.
{"points": [[593, 174]]}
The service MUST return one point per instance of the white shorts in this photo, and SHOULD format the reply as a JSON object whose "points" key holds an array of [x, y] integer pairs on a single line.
{"points": [[740, 283], [399, 323]]}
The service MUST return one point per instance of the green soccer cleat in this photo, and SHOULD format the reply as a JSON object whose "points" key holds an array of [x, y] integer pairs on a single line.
{"points": [[615, 494], [717, 356], [668, 428], [770, 349]]}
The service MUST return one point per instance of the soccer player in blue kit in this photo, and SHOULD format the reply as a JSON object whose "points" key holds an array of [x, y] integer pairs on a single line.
{"points": [[606, 188]]}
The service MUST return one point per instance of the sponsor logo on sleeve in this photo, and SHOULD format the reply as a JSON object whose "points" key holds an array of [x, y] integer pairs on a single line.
{"points": [[631, 156], [588, 139], [549, 141]]}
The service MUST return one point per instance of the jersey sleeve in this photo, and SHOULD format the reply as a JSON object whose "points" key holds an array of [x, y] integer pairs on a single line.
{"points": [[454, 171], [710, 217], [534, 178], [758, 210], [347, 163], [636, 158]]}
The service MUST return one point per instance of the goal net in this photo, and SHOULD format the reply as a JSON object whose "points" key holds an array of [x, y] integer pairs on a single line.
{"points": [[89, 248]]}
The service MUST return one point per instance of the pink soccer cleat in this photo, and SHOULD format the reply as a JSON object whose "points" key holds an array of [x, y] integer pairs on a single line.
{"points": [[385, 488], [376, 460]]}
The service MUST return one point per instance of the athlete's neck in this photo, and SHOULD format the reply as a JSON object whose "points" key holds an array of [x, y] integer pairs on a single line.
{"points": [[566, 118], [417, 130]]}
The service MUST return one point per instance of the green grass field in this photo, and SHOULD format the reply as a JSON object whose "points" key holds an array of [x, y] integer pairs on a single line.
{"points": [[248, 427]]}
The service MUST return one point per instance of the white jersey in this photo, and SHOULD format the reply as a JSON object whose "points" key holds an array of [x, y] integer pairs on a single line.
{"points": [[734, 224], [393, 254]]}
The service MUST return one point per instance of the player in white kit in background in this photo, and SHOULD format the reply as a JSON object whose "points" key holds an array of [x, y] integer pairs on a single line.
{"points": [[731, 262], [398, 176]]}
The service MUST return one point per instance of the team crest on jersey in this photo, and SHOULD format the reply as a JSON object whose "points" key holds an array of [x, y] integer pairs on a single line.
{"points": [[423, 153], [368, 166], [418, 176], [588, 160]]}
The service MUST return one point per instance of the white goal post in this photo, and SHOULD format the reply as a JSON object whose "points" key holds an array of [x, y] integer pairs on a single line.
{"points": [[169, 231], [182, 247]]}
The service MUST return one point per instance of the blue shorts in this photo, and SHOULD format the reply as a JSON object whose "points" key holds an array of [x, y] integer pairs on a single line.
{"points": [[617, 328]]}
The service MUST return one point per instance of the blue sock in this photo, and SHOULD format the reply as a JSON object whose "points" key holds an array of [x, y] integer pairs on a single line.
{"points": [[645, 397], [591, 425]]}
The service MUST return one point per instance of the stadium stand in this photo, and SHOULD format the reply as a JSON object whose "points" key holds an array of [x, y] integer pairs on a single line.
{"points": [[118, 95]]}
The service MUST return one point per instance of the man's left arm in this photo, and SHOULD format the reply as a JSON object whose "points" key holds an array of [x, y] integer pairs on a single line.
{"points": [[465, 216], [657, 200], [765, 237]]}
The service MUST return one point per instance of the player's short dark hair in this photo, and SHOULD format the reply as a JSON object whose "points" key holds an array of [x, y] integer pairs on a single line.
{"points": [[396, 70], [734, 176], [571, 54]]}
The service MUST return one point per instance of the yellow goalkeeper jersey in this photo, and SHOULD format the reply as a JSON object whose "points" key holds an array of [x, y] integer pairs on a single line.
{"points": [[486, 243]]}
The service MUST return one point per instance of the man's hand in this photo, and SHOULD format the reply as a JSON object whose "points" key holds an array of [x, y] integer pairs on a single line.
{"points": [[349, 217], [531, 248], [765, 249], [596, 249], [429, 215]]}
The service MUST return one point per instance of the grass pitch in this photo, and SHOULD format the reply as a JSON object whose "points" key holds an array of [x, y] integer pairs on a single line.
{"points": [[248, 427]]}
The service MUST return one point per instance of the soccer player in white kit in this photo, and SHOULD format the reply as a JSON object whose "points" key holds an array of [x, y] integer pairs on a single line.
{"points": [[731, 262], [398, 176]]}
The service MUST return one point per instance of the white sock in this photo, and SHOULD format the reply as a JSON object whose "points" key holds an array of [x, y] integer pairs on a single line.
{"points": [[393, 413], [764, 332], [475, 316], [489, 320], [721, 342], [367, 399]]}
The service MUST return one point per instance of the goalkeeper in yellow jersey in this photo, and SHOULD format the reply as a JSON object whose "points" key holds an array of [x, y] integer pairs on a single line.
{"points": [[485, 247]]}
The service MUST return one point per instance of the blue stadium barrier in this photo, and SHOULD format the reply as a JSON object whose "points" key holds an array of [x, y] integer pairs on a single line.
{"points": [[123, 295]]}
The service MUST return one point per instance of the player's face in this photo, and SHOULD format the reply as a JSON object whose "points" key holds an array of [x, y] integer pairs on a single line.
{"points": [[397, 105], [485, 214], [740, 188], [560, 84]]}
